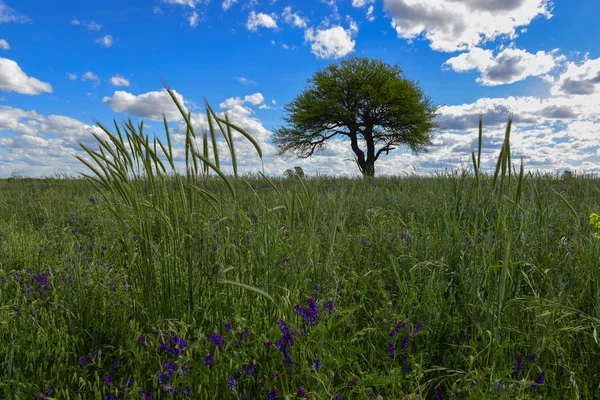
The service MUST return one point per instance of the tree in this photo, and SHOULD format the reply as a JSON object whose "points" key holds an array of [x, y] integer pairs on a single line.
{"points": [[368, 102]]}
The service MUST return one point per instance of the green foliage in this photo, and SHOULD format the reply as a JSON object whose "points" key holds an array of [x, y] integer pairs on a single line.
{"points": [[359, 100]]}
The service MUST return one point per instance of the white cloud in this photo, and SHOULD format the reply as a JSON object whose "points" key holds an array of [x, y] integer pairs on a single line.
{"points": [[94, 26], [232, 102], [334, 42], [361, 3], [157, 10], [189, 3], [8, 14], [265, 20], [370, 17], [246, 81], [508, 66], [76, 22], [71, 76], [88, 76], [106, 40], [294, 19], [13, 79], [149, 105], [353, 25], [452, 25], [580, 79], [4, 45], [193, 19], [119, 80], [227, 4]]}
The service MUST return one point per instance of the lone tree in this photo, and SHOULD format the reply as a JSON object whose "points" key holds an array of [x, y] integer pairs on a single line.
{"points": [[368, 102]]}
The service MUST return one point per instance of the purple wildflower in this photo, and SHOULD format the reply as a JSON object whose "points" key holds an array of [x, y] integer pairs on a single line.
{"points": [[142, 339], [329, 305], [208, 359], [29, 290], [391, 350], [519, 364], [419, 326], [108, 379], [228, 326], [302, 393], [187, 390], [439, 394], [109, 397], [272, 394], [170, 368], [285, 342], [95, 354], [250, 368], [245, 334], [352, 382], [144, 395], [404, 345], [317, 363], [41, 279], [162, 378], [115, 365], [164, 346], [82, 362], [168, 388], [184, 369], [317, 289], [532, 358], [217, 340], [499, 386], [232, 383]]}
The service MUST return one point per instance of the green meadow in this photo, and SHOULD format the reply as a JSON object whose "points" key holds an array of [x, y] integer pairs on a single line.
{"points": [[141, 282]]}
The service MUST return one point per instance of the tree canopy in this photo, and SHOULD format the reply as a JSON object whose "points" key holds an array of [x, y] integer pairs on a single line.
{"points": [[367, 102]]}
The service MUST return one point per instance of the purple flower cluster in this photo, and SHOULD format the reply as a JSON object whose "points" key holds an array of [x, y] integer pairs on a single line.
{"points": [[217, 339], [175, 346], [329, 305], [309, 314], [285, 342], [392, 350], [397, 328], [302, 393], [538, 381]]}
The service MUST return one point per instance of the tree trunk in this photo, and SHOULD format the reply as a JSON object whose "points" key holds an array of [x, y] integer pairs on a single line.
{"points": [[369, 170]]}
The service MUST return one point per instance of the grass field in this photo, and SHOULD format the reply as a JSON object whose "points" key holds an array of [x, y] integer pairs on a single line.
{"points": [[93, 306], [210, 287]]}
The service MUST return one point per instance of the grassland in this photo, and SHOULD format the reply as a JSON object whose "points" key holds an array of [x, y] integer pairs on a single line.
{"points": [[95, 305]]}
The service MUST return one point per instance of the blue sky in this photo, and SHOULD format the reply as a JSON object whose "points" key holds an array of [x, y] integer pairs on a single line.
{"points": [[65, 63]]}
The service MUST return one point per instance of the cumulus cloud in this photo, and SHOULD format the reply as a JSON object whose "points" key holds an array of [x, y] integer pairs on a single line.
{"points": [[227, 4], [361, 3], [453, 25], [370, 17], [293, 18], [265, 20], [232, 102], [508, 66], [193, 19], [106, 41], [13, 79], [4, 45], [71, 76], [119, 80], [580, 79], [149, 105], [88, 76], [334, 42], [8, 14]]}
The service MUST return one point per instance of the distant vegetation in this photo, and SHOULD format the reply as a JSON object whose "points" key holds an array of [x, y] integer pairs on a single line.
{"points": [[138, 282]]}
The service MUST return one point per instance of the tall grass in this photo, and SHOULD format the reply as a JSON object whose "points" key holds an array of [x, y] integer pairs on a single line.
{"points": [[500, 269]]}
